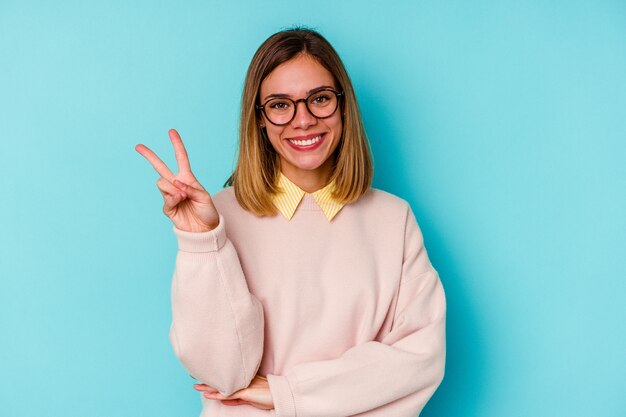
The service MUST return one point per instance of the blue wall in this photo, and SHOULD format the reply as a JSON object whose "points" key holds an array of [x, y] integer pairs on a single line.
{"points": [[502, 123]]}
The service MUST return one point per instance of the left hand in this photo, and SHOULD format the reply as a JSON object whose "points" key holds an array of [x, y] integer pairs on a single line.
{"points": [[257, 394]]}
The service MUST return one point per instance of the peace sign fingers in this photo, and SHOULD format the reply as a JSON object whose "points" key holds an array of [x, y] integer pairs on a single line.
{"points": [[187, 203]]}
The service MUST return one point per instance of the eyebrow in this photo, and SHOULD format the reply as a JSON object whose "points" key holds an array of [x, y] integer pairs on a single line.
{"points": [[308, 93]]}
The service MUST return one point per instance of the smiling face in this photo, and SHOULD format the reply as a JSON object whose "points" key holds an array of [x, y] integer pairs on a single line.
{"points": [[305, 145]]}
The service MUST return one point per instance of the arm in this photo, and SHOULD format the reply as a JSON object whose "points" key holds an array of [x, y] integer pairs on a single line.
{"points": [[392, 377], [217, 324]]}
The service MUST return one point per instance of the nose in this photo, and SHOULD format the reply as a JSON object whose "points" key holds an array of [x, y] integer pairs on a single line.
{"points": [[303, 117]]}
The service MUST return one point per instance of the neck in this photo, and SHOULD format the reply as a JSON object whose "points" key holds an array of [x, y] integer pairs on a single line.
{"points": [[308, 180]]}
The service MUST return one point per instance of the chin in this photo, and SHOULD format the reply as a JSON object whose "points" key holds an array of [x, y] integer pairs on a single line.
{"points": [[307, 166]]}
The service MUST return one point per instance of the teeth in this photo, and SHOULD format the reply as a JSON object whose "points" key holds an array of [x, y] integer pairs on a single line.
{"points": [[306, 142]]}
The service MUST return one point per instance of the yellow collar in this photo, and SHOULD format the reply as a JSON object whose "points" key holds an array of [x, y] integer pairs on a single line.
{"points": [[288, 200]]}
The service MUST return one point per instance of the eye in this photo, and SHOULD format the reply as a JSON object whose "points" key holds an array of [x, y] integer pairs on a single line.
{"points": [[321, 99], [279, 105]]}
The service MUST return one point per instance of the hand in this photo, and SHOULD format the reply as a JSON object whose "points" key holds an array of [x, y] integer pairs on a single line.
{"points": [[257, 394], [186, 202]]}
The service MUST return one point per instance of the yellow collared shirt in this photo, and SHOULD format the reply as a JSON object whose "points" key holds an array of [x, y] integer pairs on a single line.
{"points": [[288, 200]]}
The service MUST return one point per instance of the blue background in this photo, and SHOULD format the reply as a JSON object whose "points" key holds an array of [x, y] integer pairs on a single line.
{"points": [[503, 123]]}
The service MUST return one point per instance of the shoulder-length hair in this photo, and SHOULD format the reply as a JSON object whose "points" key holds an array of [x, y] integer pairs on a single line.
{"points": [[254, 177]]}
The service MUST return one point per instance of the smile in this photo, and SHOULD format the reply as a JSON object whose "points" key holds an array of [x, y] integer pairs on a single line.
{"points": [[306, 144]]}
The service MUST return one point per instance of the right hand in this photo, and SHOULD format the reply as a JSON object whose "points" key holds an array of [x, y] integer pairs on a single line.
{"points": [[186, 202], [257, 394]]}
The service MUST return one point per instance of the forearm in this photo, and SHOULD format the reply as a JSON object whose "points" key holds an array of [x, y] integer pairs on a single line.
{"points": [[217, 324], [410, 360]]}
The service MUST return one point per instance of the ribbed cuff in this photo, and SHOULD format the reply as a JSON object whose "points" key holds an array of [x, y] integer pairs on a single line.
{"points": [[284, 404], [199, 242]]}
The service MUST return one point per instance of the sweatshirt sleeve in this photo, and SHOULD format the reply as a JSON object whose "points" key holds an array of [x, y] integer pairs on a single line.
{"points": [[217, 324], [395, 376]]}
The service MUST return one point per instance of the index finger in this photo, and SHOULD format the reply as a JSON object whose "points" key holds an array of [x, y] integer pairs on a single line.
{"points": [[156, 163], [179, 151]]}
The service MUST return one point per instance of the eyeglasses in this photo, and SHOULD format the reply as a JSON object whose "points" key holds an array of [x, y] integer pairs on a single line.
{"points": [[321, 104]]}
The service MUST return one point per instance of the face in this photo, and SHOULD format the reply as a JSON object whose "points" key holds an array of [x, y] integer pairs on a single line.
{"points": [[304, 162]]}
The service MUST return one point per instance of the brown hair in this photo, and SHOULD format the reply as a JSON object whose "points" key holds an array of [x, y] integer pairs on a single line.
{"points": [[258, 163]]}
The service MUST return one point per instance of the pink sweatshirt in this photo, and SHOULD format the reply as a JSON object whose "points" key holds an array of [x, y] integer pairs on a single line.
{"points": [[343, 318]]}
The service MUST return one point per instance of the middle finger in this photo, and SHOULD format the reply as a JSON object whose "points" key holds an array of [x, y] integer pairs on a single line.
{"points": [[179, 151]]}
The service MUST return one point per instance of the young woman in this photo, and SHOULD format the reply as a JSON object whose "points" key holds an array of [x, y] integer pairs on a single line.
{"points": [[299, 290]]}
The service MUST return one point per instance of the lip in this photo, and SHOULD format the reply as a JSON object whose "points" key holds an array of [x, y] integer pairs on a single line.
{"points": [[309, 147], [310, 136]]}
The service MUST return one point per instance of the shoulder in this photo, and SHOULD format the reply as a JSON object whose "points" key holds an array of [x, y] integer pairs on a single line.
{"points": [[237, 219], [382, 208], [225, 194], [380, 200], [397, 214], [225, 200]]}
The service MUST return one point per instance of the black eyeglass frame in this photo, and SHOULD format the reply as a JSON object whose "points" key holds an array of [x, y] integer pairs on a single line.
{"points": [[261, 107]]}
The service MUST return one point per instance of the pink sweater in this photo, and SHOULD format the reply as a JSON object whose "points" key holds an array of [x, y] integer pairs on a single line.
{"points": [[343, 318]]}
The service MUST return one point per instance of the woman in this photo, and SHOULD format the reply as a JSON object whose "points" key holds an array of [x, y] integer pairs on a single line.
{"points": [[299, 289]]}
